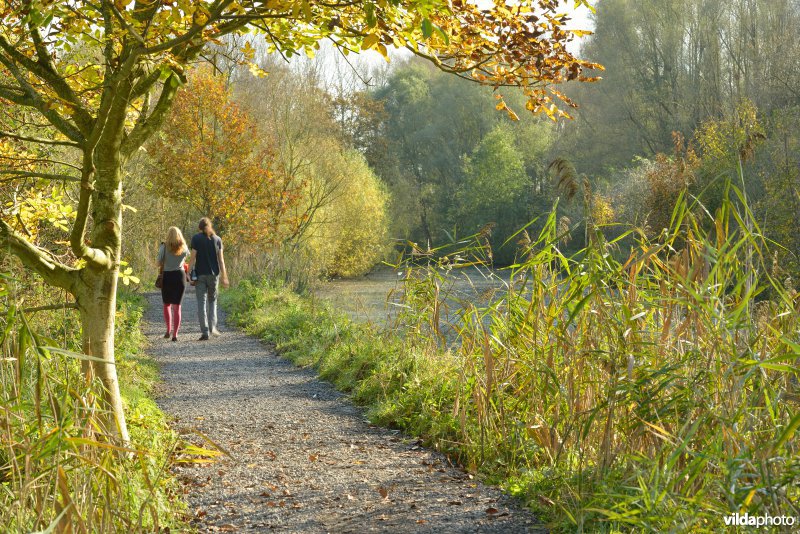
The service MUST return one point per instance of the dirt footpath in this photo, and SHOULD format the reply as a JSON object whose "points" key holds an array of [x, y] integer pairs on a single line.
{"points": [[303, 458]]}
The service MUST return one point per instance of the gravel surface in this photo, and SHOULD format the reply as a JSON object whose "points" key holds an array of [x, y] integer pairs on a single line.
{"points": [[303, 458]]}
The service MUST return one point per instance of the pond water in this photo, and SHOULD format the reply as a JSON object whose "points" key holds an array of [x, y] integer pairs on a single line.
{"points": [[376, 297]]}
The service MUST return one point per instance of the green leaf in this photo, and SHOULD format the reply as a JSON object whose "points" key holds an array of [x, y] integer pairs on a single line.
{"points": [[788, 433], [427, 28], [441, 33], [369, 11]]}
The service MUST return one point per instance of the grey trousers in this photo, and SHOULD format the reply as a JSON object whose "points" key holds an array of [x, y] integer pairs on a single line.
{"points": [[206, 291]]}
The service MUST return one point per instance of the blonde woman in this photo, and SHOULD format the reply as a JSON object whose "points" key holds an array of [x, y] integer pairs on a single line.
{"points": [[172, 256]]}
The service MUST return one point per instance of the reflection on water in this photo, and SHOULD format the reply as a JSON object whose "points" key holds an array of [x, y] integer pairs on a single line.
{"points": [[376, 297]]}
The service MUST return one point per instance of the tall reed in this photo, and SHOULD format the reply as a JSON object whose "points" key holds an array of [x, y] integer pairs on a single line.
{"points": [[653, 389]]}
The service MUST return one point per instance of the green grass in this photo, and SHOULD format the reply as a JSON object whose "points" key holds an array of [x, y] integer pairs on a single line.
{"points": [[653, 389], [58, 470]]}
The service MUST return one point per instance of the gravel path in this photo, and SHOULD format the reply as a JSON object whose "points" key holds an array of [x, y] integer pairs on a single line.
{"points": [[303, 459]]}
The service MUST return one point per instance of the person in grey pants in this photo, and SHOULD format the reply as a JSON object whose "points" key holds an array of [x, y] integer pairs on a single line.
{"points": [[209, 265]]}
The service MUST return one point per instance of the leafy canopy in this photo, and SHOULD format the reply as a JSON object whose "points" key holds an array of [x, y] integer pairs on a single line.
{"points": [[68, 51]]}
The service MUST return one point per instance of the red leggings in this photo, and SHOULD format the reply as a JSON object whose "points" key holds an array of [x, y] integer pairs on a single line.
{"points": [[172, 316]]}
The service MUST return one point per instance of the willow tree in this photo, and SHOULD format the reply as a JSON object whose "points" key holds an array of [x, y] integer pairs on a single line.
{"points": [[101, 75]]}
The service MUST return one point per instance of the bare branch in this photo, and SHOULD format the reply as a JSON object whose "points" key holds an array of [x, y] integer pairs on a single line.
{"points": [[62, 306], [38, 139], [31, 174]]}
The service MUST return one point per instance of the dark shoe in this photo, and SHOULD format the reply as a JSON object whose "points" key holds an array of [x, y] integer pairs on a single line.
{"points": [[204, 337], [166, 336], [174, 338]]}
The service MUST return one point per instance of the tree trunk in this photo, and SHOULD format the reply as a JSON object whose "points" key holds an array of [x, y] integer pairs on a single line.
{"points": [[97, 301], [96, 292]]}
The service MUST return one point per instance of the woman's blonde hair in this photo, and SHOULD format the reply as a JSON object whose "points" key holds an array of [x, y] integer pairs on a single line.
{"points": [[175, 242]]}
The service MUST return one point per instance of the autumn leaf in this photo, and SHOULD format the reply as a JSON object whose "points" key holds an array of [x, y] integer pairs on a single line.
{"points": [[369, 41]]}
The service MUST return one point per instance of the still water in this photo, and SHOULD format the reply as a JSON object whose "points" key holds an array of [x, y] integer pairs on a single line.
{"points": [[377, 296]]}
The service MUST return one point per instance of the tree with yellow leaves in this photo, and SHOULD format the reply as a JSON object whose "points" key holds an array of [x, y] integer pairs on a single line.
{"points": [[104, 75]]}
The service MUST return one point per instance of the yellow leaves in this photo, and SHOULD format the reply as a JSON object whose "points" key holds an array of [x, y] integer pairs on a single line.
{"points": [[32, 208], [248, 50], [369, 41], [502, 106], [278, 5], [257, 71], [122, 4], [200, 16], [126, 274], [372, 41]]}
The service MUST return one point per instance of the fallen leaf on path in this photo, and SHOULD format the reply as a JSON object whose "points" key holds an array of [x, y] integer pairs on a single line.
{"points": [[312, 457], [455, 503], [421, 521], [384, 493], [492, 510]]}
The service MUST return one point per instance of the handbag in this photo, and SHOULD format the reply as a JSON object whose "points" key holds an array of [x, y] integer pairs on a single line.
{"points": [[160, 277]]}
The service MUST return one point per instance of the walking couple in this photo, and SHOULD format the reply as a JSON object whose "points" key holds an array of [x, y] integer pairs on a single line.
{"points": [[206, 265]]}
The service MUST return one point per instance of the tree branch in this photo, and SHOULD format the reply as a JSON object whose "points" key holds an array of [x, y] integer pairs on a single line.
{"points": [[32, 98], [144, 129], [54, 273], [43, 69], [62, 306], [144, 84], [31, 174], [215, 10], [38, 140]]}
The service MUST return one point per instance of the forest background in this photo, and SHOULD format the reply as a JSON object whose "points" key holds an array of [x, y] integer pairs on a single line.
{"points": [[365, 157]]}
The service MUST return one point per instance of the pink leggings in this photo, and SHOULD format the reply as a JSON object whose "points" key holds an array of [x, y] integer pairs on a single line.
{"points": [[172, 316]]}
